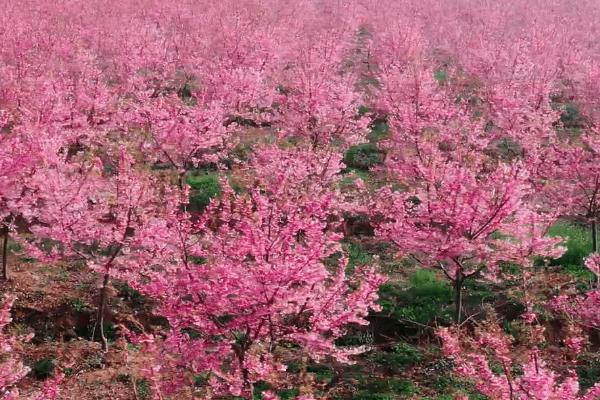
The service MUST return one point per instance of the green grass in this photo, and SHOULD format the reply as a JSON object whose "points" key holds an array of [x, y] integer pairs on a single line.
{"points": [[144, 391], [589, 374], [322, 373], [288, 394], [43, 368], [449, 385], [401, 356], [387, 388], [441, 76], [357, 256], [422, 299], [363, 156], [77, 305], [379, 130], [348, 180], [578, 240], [204, 187]]}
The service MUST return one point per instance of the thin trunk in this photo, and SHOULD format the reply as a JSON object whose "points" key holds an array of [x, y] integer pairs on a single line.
{"points": [[104, 292], [5, 253], [594, 236], [134, 386], [251, 389], [248, 386], [509, 380], [595, 246], [100, 315], [458, 284]]}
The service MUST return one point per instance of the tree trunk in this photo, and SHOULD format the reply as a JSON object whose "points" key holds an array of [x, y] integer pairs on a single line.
{"points": [[594, 236], [5, 253], [240, 351], [100, 315], [458, 284], [595, 245]]}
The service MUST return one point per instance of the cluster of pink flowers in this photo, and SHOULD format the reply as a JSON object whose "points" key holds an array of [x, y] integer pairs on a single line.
{"points": [[491, 362]]}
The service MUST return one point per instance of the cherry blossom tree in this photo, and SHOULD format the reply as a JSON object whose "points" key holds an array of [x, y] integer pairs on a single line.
{"points": [[462, 223], [104, 218], [572, 179], [459, 207], [490, 361], [251, 276], [582, 309]]}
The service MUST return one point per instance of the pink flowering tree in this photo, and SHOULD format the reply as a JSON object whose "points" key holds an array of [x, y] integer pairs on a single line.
{"points": [[582, 309], [460, 207], [463, 224], [572, 177], [249, 277], [108, 219], [501, 371], [318, 101], [16, 158], [24, 143]]}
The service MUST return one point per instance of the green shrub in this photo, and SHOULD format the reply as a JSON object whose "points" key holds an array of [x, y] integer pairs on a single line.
{"points": [[128, 293], [441, 76], [203, 189], [392, 385], [110, 331], [293, 367], [363, 111], [363, 156], [78, 305], [450, 385], [186, 94], [379, 130], [357, 256], [360, 338], [584, 276], [259, 388], [288, 394], [197, 260], [143, 389], [422, 300], [398, 359], [570, 116], [322, 373], [201, 379], [589, 374], [284, 394], [366, 395], [192, 333], [43, 368], [508, 148], [476, 292]]}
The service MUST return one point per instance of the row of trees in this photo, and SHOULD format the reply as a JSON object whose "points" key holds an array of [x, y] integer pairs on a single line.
{"points": [[105, 113]]}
